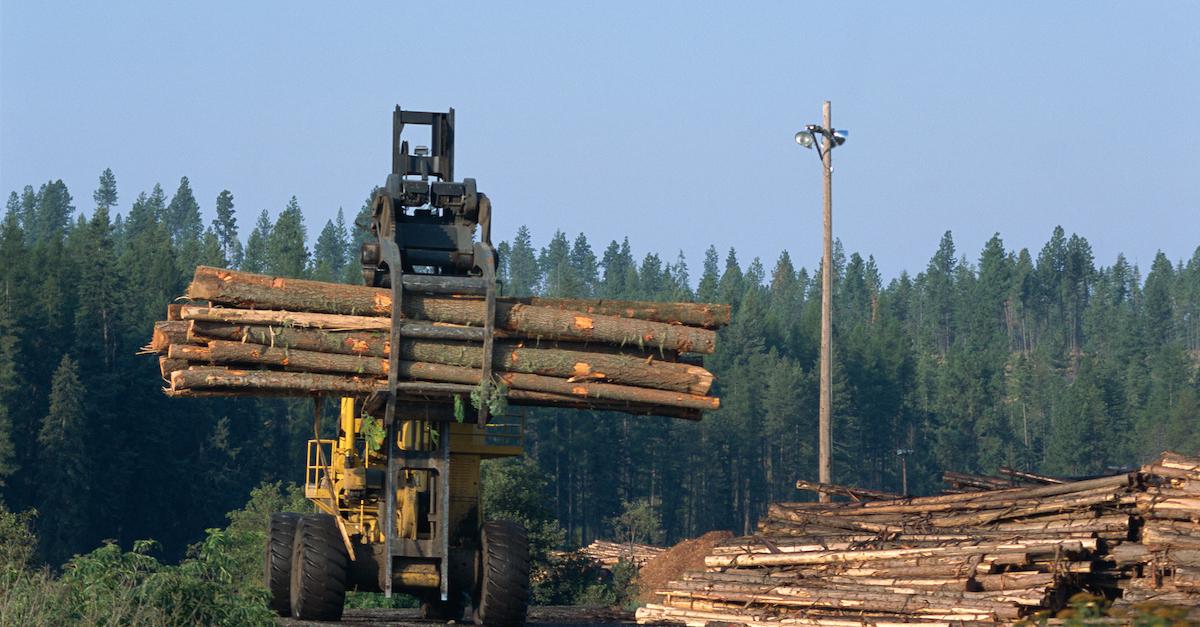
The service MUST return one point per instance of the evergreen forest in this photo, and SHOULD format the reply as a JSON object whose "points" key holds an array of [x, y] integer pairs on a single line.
{"points": [[1048, 360]]}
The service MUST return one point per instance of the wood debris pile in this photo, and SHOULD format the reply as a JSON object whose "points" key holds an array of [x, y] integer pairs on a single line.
{"points": [[249, 334], [984, 556]]}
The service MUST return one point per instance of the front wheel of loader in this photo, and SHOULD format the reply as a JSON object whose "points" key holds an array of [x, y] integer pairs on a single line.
{"points": [[281, 533], [504, 581], [319, 569]]}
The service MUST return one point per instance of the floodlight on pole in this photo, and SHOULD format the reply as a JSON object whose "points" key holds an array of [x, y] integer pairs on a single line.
{"points": [[807, 138]]}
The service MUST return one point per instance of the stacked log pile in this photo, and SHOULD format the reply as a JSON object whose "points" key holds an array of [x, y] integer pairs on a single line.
{"points": [[249, 334], [985, 556], [1164, 567], [609, 554]]}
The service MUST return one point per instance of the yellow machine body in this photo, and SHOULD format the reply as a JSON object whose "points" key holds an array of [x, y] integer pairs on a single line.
{"points": [[344, 477]]}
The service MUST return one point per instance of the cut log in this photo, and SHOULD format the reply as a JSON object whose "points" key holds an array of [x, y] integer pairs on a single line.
{"points": [[315, 298], [166, 333], [166, 366], [285, 318], [704, 315], [300, 382], [508, 356], [858, 494], [210, 382], [1029, 476], [234, 287], [224, 352]]}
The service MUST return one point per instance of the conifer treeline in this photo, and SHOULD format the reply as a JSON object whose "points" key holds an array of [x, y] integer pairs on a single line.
{"points": [[1042, 361]]}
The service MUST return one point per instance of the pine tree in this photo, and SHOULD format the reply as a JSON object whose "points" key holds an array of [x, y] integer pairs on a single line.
{"points": [[503, 252], [358, 233], [52, 215], [10, 388], [730, 287], [226, 229], [330, 252], [17, 422], [106, 194], [100, 305], [182, 216], [257, 253], [620, 271], [182, 219], [524, 276], [211, 252], [583, 266], [1157, 294], [937, 294], [149, 262], [28, 213], [706, 291], [652, 280], [555, 264], [680, 288], [287, 246], [64, 481]]}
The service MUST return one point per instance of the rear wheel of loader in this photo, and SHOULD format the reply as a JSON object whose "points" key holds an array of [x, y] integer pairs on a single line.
{"points": [[319, 569], [281, 532], [504, 581]]}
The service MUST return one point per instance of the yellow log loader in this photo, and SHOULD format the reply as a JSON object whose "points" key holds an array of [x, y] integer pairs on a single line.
{"points": [[398, 488]]}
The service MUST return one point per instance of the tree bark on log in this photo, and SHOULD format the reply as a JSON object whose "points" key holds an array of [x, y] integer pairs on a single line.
{"points": [[704, 315], [215, 382], [166, 366], [244, 289], [224, 352], [508, 356], [304, 382], [248, 289]]}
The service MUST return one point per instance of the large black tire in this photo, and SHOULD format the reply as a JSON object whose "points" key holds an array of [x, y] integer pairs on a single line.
{"points": [[319, 569], [504, 581], [281, 532]]}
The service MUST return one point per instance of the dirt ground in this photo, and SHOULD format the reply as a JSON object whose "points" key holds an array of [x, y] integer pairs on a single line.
{"points": [[547, 616]]}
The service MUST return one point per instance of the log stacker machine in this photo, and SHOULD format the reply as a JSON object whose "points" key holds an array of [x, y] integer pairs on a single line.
{"points": [[404, 514]]}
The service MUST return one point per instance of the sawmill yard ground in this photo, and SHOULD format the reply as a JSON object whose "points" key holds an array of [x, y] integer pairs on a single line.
{"points": [[546, 616]]}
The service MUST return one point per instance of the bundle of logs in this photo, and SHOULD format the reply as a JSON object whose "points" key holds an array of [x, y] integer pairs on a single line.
{"points": [[985, 556], [250, 334], [609, 554]]}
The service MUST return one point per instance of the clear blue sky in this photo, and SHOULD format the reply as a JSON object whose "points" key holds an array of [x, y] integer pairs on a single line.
{"points": [[671, 123]]}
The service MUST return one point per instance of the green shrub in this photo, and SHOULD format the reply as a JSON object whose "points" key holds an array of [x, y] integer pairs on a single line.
{"points": [[218, 583]]}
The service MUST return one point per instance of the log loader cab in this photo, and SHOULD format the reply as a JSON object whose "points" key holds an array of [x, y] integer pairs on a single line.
{"points": [[398, 488]]}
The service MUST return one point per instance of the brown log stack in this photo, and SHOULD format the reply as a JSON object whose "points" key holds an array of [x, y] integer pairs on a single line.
{"points": [[271, 336], [996, 555]]}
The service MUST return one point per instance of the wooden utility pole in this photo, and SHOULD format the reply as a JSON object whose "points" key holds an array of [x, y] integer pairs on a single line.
{"points": [[825, 437]]}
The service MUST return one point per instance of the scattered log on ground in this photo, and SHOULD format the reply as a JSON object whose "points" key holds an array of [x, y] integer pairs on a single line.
{"points": [[609, 554], [858, 494]]}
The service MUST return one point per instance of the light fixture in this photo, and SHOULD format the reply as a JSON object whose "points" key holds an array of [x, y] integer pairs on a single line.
{"points": [[808, 137]]}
